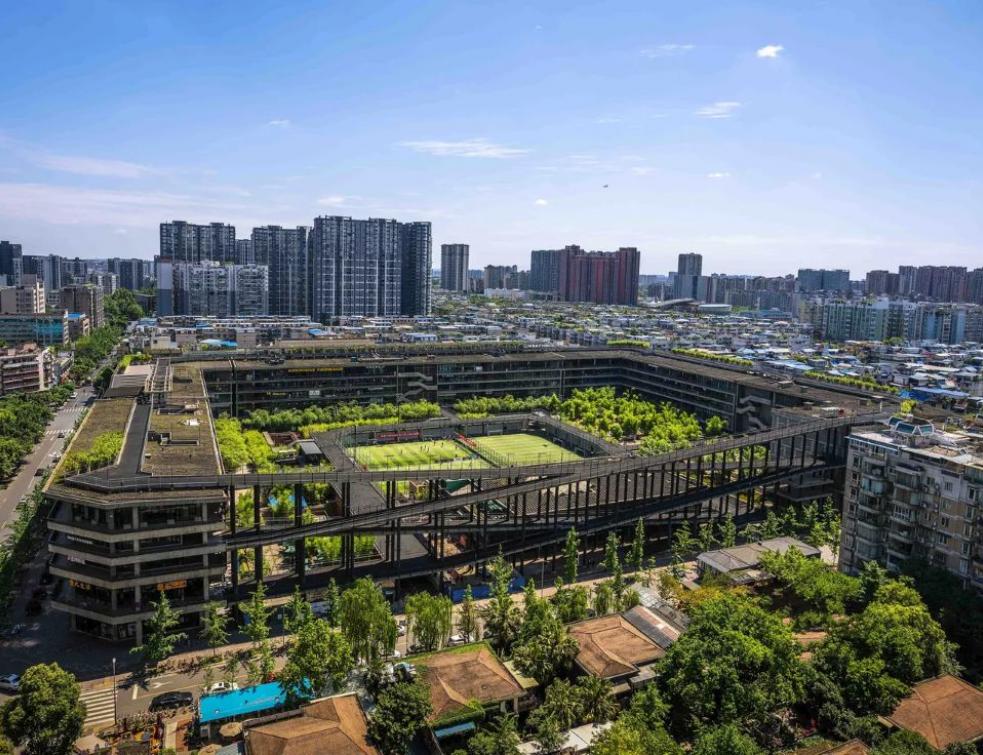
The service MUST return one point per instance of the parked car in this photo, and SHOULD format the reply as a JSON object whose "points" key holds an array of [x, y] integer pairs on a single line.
{"points": [[10, 683], [61, 433], [457, 639], [220, 687], [401, 628], [172, 701]]}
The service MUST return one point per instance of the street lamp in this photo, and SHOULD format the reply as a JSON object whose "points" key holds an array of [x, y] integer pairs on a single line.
{"points": [[115, 715]]}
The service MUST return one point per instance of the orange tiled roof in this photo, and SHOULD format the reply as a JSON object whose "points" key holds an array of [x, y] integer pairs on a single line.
{"points": [[944, 710]]}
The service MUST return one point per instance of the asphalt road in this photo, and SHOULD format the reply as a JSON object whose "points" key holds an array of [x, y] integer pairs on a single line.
{"points": [[25, 480]]}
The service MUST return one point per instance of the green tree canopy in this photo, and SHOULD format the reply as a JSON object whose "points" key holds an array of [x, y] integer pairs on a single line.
{"points": [[366, 621], [735, 662], [318, 654], [159, 636], [46, 716], [401, 712], [726, 740], [430, 619]]}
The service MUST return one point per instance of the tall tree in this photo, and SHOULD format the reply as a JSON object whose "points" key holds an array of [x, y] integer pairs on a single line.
{"points": [[46, 716], [500, 738], [160, 637], [636, 556], [501, 614], [545, 648], [603, 598], [430, 619], [317, 654], [683, 543], [401, 712], [213, 623], [261, 664], [297, 612], [706, 537], [571, 557], [562, 702], [612, 561], [333, 599], [366, 620], [596, 703], [258, 614], [467, 617], [625, 739], [728, 531]]}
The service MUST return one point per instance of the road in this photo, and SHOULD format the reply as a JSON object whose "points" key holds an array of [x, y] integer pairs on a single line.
{"points": [[25, 479]]}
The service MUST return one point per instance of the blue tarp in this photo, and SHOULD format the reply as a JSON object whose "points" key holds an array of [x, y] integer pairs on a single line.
{"points": [[241, 702]]}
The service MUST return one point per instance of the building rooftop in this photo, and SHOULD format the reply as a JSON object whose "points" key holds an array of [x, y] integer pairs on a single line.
{"points": [[619, 644], [460, 676], [944, 710], [748, 556], [334, 724]]}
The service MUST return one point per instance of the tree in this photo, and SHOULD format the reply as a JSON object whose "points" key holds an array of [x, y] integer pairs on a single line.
{"points": [[260, 666], [905, 743], [501, 614], [735, 662], [571, 557], [548, 734], [636, 556], [872, 577], [231, 669], [715, 426], [297, 612], [545, 649], [213, 630], [160, 637], [366, 620], [333, 599], [874, 655], [596, 703], [612, 562], [683, 543], [317, 654], [624, 738], [258, 616], [571, 603], [401, 712], [706, 537], [467, 617], [46, 716], [500, 738], [603, 598], [728, 531], [726, 740], [430, 618], [562, 702]]}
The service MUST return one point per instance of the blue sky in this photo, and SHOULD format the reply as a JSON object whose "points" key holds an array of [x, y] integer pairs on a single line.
{"points": [[767, 136]]}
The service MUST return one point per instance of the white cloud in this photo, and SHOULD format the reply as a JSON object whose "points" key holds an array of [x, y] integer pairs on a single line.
{"points": [[665, 51], [641, 170], [541, 202], [466, 148], [92, 166], [723, 109], [769, 51], [336, 200], [609, 119], [279, 123], [718, 174]]}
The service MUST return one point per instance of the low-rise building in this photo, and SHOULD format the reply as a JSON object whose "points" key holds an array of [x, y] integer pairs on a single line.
{"points": [[334, 725], [25, 299], [741, 563], [44, 330], [945, 711], [24, 370]]}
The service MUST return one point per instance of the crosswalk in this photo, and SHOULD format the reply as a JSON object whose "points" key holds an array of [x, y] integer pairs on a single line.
{"points": [[98, 706]]}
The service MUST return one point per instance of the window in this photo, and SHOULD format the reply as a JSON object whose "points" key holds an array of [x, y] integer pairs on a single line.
{"points": [[947, 485], [943, 539]]}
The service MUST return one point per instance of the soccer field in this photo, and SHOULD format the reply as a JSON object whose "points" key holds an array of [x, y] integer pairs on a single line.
{"points": [[430, 454], [521, 448]]}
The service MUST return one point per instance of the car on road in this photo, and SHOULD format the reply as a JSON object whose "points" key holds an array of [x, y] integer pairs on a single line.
{"points": [[401, 629], [39, 471], [9, 683], [61, 433], [172, 701], [457, 639], [219, 687], [75, 394]]}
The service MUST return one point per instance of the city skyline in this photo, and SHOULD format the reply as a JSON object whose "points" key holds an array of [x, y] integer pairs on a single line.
{"points": [[764, 139]]}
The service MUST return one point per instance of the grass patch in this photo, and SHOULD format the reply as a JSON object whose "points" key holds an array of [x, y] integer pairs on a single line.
{"points": [[429, 454], [522, 448]]}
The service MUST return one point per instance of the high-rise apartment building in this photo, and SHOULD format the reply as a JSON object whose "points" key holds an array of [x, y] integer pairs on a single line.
{"points": [[208, 288], [133, 273], [47, 267], [108, 282], [454, 267], [881, 282], [284, 251], [599, 277], [187, 242], [810, 280], [85, 298], [913, 492], [544, 270], [501, 276], [690, 283], [11, 263], [416, 268], [244, 252], [356, 268], [690, 263]]}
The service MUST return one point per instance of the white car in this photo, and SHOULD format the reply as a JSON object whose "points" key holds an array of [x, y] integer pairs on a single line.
{"points": [[457, 639], [10, 683], [219, 687]]}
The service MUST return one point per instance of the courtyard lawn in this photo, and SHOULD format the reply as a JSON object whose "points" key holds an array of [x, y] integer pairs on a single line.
{"points": [[521, 449], [430, 454]]}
